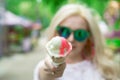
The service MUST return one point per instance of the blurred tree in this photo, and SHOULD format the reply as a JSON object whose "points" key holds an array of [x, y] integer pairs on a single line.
{"points": [[35, 9], [23, 8], [45, 9], [98, 5]]}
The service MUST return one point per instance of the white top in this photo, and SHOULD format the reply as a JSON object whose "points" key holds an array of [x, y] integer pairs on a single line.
{"points": [[84, 70]]}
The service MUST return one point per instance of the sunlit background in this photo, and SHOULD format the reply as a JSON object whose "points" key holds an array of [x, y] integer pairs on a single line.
{"points": [[22, 23]]}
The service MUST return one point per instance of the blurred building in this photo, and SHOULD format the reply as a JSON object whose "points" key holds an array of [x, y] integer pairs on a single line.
{"points": [[3, 46], [15, 33], [18, 30]]}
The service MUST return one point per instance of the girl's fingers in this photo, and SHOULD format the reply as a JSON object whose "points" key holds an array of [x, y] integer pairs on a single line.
{"points": [[50, 69], [49, 65]]}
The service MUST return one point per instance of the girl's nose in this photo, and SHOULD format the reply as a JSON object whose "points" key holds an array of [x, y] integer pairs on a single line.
{"points": [[71, 38]]}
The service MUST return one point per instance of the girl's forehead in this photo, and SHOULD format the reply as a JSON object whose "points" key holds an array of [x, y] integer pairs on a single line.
{"points": [[75, 22]]}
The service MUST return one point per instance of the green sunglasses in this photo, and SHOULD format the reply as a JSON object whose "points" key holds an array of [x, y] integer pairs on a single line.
{"points": [[79, 35]]}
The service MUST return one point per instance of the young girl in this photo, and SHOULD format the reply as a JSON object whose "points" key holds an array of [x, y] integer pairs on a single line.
{"points": [[87, 60]]}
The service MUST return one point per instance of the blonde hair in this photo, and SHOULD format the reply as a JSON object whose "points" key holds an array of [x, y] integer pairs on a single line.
{"points": [[102, 61]]}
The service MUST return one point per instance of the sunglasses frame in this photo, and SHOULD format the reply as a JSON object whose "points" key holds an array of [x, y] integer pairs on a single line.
{"points": [[78, 39]]}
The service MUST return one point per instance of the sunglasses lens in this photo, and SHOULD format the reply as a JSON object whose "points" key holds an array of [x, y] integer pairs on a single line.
{"points": [[81, 35], [63, 31]]}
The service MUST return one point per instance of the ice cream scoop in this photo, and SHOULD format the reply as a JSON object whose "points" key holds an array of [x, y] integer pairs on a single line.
{"points": [[58, 48]]}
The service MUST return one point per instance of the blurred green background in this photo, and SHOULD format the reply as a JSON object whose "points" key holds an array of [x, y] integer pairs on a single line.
{"points": [[45, 9]]}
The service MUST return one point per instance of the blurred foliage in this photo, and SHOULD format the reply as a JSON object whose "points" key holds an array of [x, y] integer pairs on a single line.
{"points": [[117, 25], [98, 5], [113, 43], [43, 10], [36, 10]]}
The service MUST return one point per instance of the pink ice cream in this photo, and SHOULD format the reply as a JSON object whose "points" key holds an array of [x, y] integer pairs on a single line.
{"points": [[58, 47]]}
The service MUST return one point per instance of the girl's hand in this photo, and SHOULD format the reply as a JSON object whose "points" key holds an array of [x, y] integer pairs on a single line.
{"points": [[55, 70]]}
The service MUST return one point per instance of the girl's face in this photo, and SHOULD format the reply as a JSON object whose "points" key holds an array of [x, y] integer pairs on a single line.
{"points": [[75, 23]]}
